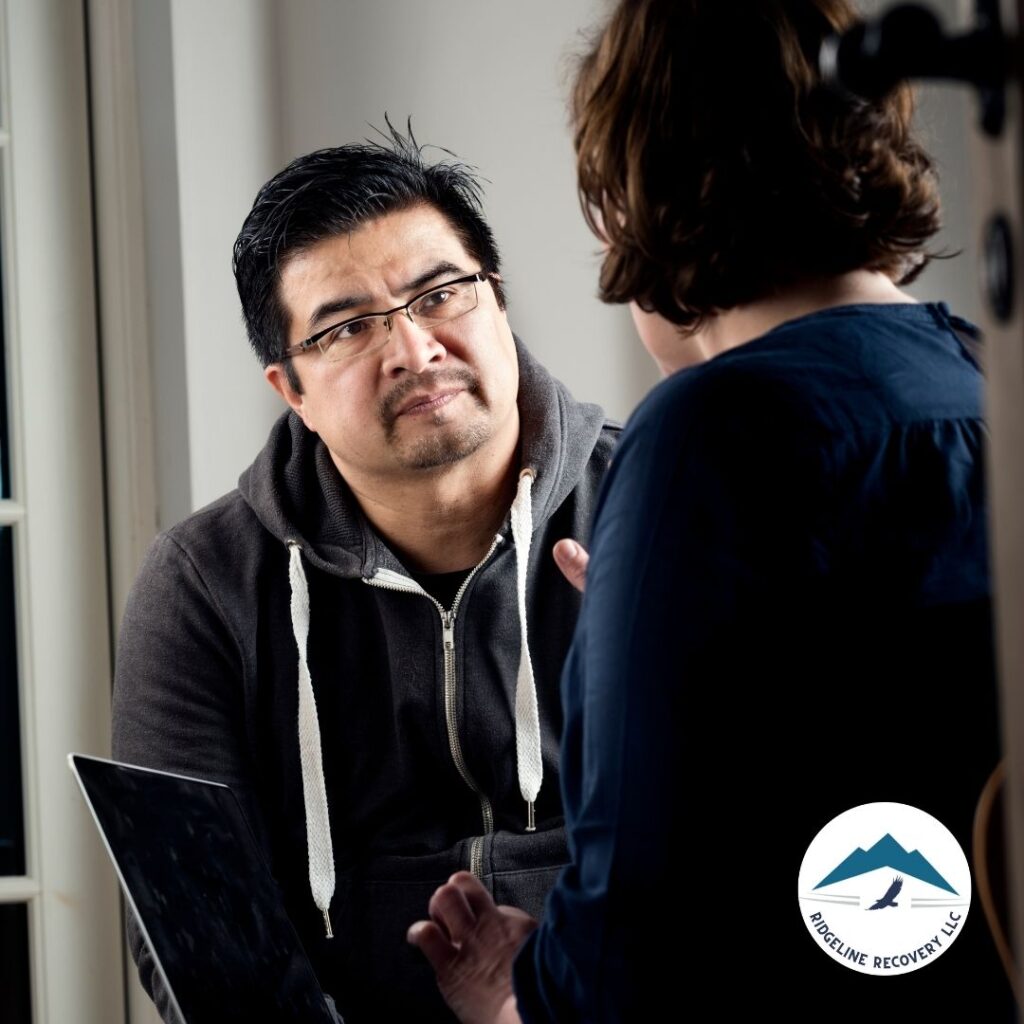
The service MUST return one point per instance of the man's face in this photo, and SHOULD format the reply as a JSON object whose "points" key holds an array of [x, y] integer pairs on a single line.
{"points": [[427, 398]]}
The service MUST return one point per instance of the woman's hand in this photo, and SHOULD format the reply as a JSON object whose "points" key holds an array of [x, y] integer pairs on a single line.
{"points": [[572, 558], [471, 943]]}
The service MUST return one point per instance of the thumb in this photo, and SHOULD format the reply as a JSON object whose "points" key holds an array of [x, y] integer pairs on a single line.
{"points": [[572, 559]]}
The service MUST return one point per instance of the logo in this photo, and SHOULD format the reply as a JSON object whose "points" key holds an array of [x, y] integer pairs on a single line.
{"points": [[884, 889]]}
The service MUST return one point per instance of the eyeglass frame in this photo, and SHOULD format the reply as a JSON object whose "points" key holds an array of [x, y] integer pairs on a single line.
{"points": [[302, 347]]}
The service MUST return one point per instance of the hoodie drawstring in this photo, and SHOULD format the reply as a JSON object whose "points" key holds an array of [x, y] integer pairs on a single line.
{"points": [[314, 790], [528, 756], [529, 764]]}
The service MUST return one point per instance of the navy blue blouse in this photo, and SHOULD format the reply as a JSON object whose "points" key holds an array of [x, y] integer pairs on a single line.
{"points": [[786, 616]]}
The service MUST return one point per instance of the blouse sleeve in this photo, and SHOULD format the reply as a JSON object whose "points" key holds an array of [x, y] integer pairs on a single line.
{"points": [[698, 523]]}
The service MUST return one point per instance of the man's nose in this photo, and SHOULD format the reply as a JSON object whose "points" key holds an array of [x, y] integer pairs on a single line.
{"points": [[410, 347]]}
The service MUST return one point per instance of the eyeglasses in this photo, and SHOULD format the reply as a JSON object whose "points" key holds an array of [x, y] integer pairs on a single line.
{"points": [[363, 334]]}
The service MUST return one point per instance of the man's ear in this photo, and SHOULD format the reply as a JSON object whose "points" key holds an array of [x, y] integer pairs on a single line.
{"points": [[277, 378]]}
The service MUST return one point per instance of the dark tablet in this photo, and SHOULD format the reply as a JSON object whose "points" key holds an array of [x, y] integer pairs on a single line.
{"points": [[204, 897]]}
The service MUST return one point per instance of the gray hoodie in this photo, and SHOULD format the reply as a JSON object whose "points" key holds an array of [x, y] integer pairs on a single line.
{"points": [[378, 741]]}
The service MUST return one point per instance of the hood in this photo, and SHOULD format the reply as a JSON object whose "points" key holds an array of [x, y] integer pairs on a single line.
{"points": [[298, 495]]}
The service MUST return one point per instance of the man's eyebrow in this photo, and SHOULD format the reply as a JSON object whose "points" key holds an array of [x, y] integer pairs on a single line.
{"points": [[444, 267], [335, 306]]}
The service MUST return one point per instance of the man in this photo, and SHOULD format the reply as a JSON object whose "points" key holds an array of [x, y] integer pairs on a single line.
{"points": [[365, 638]]}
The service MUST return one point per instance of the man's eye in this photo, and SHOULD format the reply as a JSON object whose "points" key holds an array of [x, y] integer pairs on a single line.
{"points": [[434, 300], [350, 330]]}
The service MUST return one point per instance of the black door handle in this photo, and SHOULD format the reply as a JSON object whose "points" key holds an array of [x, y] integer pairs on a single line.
{"points": [[908, 41]]}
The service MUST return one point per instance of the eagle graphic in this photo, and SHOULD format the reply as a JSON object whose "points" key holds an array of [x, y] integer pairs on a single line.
{"points": [[889, 899]]}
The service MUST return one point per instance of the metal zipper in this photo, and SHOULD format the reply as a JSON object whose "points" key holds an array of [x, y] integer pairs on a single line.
{"points": [[388, 579], [476, 856]]}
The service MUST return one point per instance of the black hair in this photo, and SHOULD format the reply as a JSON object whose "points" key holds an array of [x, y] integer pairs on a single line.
{"points": [[332, 192]]}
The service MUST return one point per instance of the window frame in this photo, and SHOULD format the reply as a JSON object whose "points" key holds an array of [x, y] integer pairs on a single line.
{"points": [[57, 506]]}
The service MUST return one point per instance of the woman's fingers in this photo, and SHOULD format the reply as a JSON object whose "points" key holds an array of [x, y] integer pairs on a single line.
{"points": [[450, 909], [572, 558], [433, 943]]}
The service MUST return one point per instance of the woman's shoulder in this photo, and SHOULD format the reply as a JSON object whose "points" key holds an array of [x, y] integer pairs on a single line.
{"points": [[737, 389], [890, 363]]}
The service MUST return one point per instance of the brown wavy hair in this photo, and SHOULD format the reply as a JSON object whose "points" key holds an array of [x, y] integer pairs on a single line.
{"points": [[718, 166]]}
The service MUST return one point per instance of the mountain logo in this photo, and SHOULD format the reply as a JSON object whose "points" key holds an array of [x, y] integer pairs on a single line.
{"points": [[884, 888]]}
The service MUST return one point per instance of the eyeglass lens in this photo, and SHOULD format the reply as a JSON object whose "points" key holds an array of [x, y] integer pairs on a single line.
{"points": [[358, 337]]}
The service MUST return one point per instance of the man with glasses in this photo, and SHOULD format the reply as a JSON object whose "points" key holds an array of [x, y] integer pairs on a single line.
{"points": [[365, 639]]}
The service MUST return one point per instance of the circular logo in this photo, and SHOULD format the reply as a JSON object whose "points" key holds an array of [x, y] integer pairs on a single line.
{"points": [[884, 889]]}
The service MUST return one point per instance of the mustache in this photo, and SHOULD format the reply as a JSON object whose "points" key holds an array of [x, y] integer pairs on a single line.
{"points": [[388, 405]]}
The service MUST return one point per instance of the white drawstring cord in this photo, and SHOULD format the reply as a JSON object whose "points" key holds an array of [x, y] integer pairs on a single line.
{"points": [[528, 754], [314, 790]]}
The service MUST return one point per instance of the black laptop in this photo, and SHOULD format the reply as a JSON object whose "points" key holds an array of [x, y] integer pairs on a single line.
{"points": [[203, 895]]}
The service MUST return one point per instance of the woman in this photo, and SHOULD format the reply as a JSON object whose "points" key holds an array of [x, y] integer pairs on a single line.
{"points": [[787, 607]]}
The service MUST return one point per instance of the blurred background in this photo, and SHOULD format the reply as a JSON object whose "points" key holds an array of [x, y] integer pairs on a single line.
{"points": [[133, 137]]}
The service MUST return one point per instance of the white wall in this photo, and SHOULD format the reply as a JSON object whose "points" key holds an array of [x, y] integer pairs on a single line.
{"points": [[226, 124], [162, 214], [209, 120], [943, 113]]}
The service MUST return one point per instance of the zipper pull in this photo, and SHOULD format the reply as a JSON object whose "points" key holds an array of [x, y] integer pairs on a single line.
{"points": [[448, 629]]}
